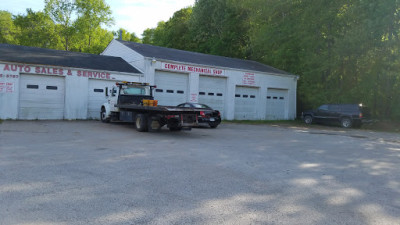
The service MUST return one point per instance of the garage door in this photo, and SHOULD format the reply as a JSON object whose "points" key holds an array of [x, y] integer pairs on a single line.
{"points": [[212, 92], [246, 103], [172, 88], [276, 104], [41, 97], [97, 96]]}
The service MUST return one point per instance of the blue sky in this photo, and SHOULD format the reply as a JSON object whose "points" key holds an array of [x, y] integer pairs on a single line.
{"points": [[132, 15]]}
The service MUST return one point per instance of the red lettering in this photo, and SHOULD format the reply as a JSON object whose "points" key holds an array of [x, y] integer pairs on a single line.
{"points": [[69, 73], [37, 69], [6, 68], [14, 67], [79, 73], [43, 70], [27, 69], [107, 75]]}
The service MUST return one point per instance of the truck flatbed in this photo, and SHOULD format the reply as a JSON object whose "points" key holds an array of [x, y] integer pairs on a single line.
{"points": [[167, 110]]}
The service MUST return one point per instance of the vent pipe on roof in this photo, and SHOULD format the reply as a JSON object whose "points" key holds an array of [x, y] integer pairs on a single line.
{"points": [[120, 34]]}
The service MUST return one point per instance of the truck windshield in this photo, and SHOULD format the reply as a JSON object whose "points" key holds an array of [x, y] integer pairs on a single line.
{"points": [[129, 90]]}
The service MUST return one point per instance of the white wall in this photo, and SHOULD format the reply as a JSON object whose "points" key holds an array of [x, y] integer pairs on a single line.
{"points": [[263, 81], [117, 49], [76, 86], [235, 77]]}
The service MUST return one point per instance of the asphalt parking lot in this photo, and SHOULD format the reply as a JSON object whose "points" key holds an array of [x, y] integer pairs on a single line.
{"points": [[87, 172]]}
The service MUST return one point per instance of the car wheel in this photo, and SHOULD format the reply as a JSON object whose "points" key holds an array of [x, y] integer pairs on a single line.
{"points": [[103, 116], [308, 119], [141, 122], [213, 125], [346, 122]]}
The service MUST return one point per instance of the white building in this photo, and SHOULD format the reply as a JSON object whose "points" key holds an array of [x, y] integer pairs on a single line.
{"points": [[38, 83], [240, 89]]}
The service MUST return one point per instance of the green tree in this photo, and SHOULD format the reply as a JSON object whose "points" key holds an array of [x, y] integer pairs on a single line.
{"points": [[175, 33], [7, 28], [126, 36], [220, 27], [92, 14], [37, 29], [61, 11], [148, 36]]}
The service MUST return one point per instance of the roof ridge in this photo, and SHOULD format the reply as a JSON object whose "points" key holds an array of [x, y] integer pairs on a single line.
{"points": [[200, 53], [186, 56]]}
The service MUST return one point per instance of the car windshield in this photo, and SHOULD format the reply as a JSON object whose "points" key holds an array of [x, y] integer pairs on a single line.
{"points": [[201, 106]]}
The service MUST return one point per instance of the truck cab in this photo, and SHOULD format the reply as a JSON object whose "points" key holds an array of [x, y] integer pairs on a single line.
{"points": [[125, 93]]}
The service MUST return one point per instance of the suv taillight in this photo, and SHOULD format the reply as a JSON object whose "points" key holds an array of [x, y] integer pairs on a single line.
{"points": [[202, 114]]}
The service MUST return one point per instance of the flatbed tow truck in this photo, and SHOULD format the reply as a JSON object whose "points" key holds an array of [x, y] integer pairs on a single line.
{"points": [[134, 102]]}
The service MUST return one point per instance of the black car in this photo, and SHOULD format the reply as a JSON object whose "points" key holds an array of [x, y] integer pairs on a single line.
{"points": [[208, 116], [347, 115]]}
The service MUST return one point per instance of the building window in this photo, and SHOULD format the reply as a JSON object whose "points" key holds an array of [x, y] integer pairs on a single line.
{"points": [[159, 90], [237, 96], [180, 92], [202, 93], [275, 97], [245, 96], [219, 94], [268, 97], [281, 98], [170, 91], [31, 86], [211, 94], [96, 90], [252, 96]]}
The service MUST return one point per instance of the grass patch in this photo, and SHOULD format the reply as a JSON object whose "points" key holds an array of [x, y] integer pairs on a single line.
{"points": [[1, 121], [386, 126]]}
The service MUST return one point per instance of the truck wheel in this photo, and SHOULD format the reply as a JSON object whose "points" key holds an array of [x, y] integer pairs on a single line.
{"points": [[103, 116], [154, 125], [346, 122], [141, 122]]}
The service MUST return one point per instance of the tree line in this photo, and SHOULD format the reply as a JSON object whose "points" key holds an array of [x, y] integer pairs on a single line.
{"points": [[345, 51], [71, 25]]}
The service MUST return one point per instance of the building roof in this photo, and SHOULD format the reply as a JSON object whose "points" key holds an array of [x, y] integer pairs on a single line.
{"points": [[42, 56], [199, 58]]}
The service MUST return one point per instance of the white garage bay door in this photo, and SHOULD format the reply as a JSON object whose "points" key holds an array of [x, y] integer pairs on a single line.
{"points": [[41, 97], [97, 96], [172, 88], [246, 103], [276, 104], [212, 92]]}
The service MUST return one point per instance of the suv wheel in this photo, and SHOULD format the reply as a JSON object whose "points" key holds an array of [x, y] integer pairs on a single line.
{"points": [[346, 122], [308, 119]]}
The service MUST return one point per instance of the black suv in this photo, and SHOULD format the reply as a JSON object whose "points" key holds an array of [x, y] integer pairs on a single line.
{"points": [[347, 115]]}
